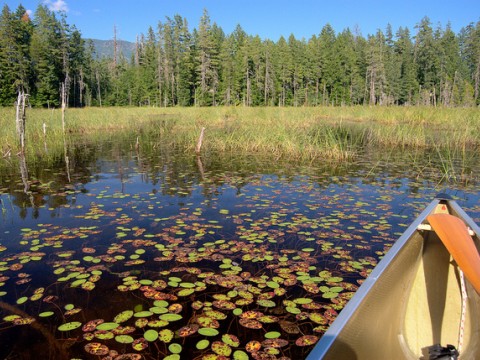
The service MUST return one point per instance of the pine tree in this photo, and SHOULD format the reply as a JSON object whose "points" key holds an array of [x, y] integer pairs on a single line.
{"points": [[207, 71], [427, 62], [47, 57], [450, 65], [408, 84], [328, 62], [15, 64], [284, 68], [470, 53], [376, 76], [227, 80]]}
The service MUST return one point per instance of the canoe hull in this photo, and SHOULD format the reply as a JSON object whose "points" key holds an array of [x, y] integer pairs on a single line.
{"points": [[410, 301]]}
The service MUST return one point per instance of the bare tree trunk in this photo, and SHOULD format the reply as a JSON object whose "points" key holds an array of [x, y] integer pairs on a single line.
{"points": [[477, 80], [65, 152], [20, 118], [97, 76], [81, 85], [247, 100], [63, 95], [372, 87], [200, 141], [114, 46]]}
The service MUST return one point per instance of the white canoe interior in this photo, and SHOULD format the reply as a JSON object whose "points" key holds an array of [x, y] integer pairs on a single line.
{"points": [[414, 302]]}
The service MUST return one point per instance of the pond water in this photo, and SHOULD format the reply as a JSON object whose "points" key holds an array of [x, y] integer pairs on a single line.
{"points": [[129, 254]]}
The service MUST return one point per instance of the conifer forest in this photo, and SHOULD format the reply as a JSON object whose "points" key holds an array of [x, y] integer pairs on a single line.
{"points": [[173, 65]]}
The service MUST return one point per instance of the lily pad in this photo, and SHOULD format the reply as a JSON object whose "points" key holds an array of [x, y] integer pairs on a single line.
{"points": [[306, 340], [151, 335], [208, 332], [171, 317], [221, 348], [124, 339], [46, 314], [175, 348], [96, 348], [202, 344], [165, 335], [107, 326], [240, 355], [69, 326], [123, 316]]}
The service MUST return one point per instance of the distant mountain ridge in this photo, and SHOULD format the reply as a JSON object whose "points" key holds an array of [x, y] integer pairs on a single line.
{"points": [[104, 48]]}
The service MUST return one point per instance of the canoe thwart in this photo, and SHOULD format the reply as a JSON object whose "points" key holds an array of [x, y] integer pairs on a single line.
{"points": [[428, 227], [454, 234]]}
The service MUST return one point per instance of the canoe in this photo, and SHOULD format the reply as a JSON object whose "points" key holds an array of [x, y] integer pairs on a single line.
{"points": [[422, 299]]}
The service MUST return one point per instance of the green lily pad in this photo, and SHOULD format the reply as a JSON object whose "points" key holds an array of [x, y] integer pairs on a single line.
{"points": [[69, 326], [142, 314], [272, 335], [202, 344], [124, 339], [175, 348], [22, 300], [266, 303], [107, 326], [46, 314], [171, 317], [172, 357], [185, 292], [208, 332], [123, 316], [151, 335], [240, 355]]}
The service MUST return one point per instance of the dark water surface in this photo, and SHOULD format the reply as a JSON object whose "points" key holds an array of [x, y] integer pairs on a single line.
{"points": [[160, 255]]}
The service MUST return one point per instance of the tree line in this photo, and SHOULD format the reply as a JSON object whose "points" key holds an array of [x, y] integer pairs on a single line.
{"points": [[173, 66]]}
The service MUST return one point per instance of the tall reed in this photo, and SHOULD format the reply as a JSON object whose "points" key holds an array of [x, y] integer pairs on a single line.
{"points": [[298, 133]]}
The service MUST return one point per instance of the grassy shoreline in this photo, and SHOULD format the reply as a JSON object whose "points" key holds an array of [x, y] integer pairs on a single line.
{"points": [[305, 133]]}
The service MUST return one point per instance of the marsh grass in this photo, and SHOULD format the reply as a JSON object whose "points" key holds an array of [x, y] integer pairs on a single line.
{"points": [[305, 133]]}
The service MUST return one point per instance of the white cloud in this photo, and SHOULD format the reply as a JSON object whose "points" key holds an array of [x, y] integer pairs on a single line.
{"points": [[56, 5]]}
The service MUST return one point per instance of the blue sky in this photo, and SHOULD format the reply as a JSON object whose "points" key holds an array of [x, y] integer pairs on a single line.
{"points": [[266, 18]]}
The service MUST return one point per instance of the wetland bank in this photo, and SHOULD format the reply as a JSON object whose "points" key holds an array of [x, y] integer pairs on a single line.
{"points": [[137, 246]]}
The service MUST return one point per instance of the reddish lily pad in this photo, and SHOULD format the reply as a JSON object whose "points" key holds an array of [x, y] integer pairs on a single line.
{"points": [[221, 348], [96, 348], [231, 340], [188, 330], [139, 344], [306, 340], [253, 346], [251, 323]]}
